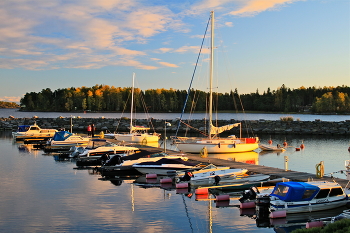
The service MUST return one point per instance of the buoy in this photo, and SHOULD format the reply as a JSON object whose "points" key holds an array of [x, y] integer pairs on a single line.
{"points": [[151, 176], [182, 185], [302, 146], [297, 149], [314, 224], [269, 141], [202, 191], [285, 144], [278, 214], [247, 205], [166, 180], [224, 197]]}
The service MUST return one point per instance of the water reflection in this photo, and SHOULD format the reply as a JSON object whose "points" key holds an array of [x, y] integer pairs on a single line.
{"points": [[251, 157]]}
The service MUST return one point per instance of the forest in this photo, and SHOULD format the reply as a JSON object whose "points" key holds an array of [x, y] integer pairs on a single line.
{"points": [[104, 98], [4, 104]]}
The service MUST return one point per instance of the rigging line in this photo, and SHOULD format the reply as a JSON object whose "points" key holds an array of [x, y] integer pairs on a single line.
{"points": [[189, 89], [193, 128]]}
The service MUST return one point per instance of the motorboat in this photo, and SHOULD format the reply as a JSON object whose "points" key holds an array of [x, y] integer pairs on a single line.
{"points": [[98, 147], [210, 174], [298, 197], [65, 139], [25, 132], [122, 166], [137, 134], [213, 144], [265, 147], [164, 166]]}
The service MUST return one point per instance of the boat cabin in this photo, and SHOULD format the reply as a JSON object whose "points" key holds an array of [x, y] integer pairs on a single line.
{"points": [[306, 191]]}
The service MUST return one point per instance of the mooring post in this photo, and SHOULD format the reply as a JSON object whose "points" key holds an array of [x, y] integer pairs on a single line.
{"points": [[286, 163]]}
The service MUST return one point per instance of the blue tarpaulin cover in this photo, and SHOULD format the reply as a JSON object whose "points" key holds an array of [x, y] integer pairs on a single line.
{"points": [[23, 128], [61, 135], [295, 191]]}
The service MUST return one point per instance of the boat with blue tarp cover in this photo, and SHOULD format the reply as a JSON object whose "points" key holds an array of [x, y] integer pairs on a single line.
{"points": [[298, 197], [65, 138]]}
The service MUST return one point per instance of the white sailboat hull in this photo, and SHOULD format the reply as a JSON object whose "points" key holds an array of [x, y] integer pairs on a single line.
{"points": [[137, 137], [216, 146]]}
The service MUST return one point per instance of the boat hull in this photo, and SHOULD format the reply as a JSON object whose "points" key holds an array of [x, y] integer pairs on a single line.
{"points": [[216, 147], [161, 170], [138, 138]]}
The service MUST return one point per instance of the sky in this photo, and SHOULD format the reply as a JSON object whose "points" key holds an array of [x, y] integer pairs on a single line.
{"points": [[259, 44]]}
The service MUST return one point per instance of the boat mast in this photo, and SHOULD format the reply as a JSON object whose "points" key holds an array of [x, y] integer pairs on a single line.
{"points": [[211, 75], [132, 101]]}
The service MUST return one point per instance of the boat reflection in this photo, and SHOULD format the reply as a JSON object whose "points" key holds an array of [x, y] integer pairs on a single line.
{"points": [[266, 152], [251, 157]]}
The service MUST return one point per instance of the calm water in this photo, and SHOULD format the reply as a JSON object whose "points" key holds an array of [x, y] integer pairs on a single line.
{"points": [[40, 194], [223, 116]]}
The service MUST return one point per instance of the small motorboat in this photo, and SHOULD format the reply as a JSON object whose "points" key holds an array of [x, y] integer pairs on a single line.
{"points": [[165, 166], [65, 140], [98, 147], [32, 132], [298, 197], [210, 175], [123, 166], [265, 147]]}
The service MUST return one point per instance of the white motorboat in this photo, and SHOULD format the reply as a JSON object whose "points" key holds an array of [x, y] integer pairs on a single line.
{"points": [[67, 139], [137, 134], [33, 132], [164, 166], [98, 147], [265, 147], [212, 143], [298, 197]]}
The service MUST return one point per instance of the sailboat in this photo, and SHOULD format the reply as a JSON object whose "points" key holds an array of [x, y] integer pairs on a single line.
{"points": [[137, 134], [212, 143]]}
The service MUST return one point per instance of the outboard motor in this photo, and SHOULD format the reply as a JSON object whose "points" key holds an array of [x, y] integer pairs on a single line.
{"points": [[115, 160], [187, 177], [104, 158], [216, 180], [250, 194]]}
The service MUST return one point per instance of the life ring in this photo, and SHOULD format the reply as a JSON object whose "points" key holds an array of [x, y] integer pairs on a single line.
{"points": [[204, 152]]}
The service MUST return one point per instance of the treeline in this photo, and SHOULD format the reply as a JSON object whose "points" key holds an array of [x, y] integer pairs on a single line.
{"points": [[117, 99], [4, 104]]}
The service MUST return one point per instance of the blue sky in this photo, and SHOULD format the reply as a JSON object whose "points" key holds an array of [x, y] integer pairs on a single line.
{"points": [[259, 44]]}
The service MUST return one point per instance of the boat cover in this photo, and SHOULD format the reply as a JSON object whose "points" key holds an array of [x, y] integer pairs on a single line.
{"points": [[61, 135], [295, 191], [23, 128]]}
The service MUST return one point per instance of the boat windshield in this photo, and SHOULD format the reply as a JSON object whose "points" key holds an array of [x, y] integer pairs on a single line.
{"points": [[281, 190]]}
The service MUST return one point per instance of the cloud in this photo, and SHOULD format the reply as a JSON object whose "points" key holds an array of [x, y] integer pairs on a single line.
{"points": [[167, 64], [15, 99], [193, 49], [253, 7]]}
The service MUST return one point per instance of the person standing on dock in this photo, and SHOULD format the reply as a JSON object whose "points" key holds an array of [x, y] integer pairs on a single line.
{"points": [[89, 130]]}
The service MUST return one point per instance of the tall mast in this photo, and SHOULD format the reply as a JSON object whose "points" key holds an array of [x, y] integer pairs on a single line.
{"points": [[132, 101], [211, 75]]}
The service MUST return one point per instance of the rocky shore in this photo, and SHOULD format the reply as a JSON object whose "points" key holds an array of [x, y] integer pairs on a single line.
{"points": [[316, 127]]}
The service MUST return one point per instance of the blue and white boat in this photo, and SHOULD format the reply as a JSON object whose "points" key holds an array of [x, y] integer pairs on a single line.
{"points": [[65, 138], [299, 197]]}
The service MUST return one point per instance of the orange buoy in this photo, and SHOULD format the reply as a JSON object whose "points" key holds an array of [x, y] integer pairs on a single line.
{"points": [[285, 144], [201, 197], [297, 149], [269, 141], [302, 146], [151, 176], [202, 191]]}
